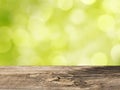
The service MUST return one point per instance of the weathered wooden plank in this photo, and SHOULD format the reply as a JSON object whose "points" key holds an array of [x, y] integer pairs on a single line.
{"points": [[59, 78]]}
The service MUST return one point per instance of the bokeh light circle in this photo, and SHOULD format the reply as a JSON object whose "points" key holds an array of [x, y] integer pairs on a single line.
{"points": [[106, 22], [112, 6], [88, 2], [77, 16], [65, 4], [21, 38], [115, 53]]}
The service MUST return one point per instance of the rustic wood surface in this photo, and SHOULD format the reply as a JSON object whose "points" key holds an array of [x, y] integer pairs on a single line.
{"points": [[59, 78]]}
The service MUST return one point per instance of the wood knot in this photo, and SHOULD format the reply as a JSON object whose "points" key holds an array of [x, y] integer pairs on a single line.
{"points": [[54, 79], [81, 83]]}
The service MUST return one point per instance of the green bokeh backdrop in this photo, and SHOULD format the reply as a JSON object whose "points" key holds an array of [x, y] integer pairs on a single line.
{"points": [[59, 32]]}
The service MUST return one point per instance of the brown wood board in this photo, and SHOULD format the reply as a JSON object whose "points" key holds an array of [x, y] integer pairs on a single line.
{"points": [[59, 78]]}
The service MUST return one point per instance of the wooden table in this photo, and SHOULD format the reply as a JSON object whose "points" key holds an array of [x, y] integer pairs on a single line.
{"points": [[59, 78]]}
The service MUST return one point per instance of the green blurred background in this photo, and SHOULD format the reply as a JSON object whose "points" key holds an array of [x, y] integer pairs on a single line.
{"points": [[60, 32]]}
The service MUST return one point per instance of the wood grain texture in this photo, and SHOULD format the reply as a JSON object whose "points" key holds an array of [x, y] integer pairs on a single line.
{"points": [[59, 78]]}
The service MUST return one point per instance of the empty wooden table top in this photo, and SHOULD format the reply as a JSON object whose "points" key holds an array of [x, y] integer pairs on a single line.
{"points": [[59, 78]]}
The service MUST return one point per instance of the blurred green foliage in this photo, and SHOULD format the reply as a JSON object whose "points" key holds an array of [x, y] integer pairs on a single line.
{"points": [[59, 32]]}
